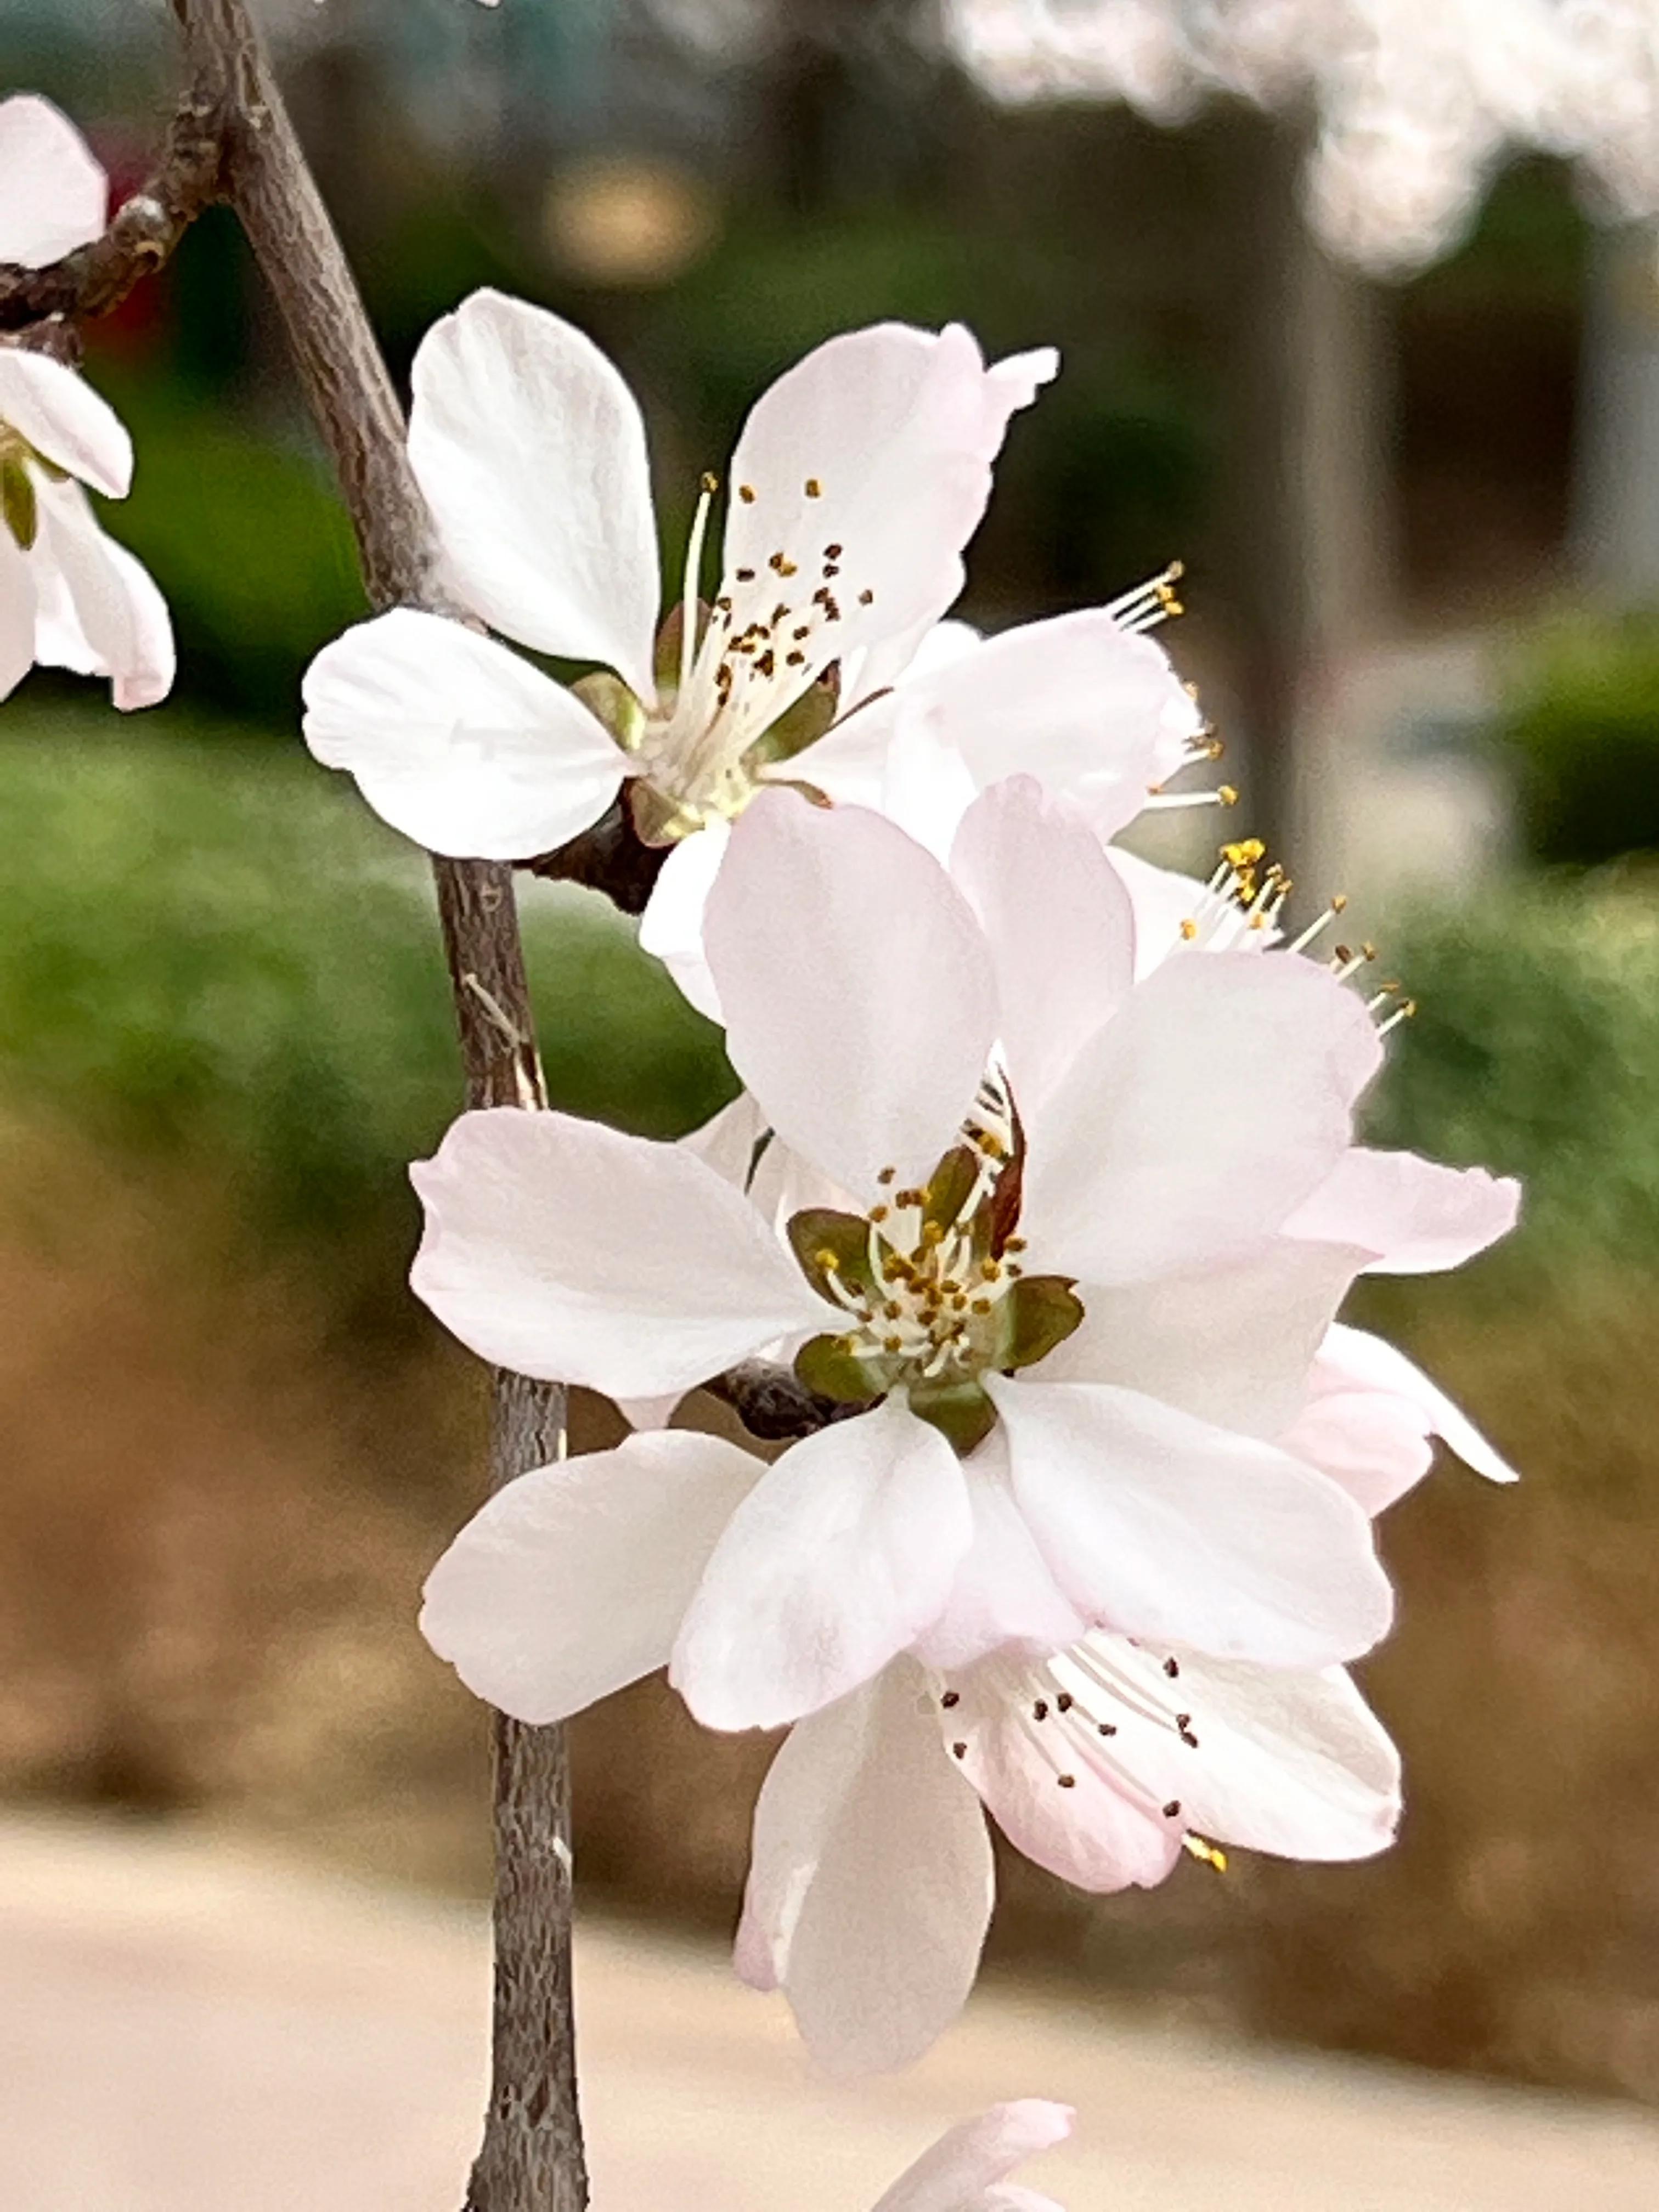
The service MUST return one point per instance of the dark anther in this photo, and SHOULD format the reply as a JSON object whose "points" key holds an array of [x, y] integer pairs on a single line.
{"points": [[1039, 1711], [1066, 1781], [1065, 1701], [959, 1750], [1172, 1810], [1105, 1728], [950, 1699], [1172, 1668]]}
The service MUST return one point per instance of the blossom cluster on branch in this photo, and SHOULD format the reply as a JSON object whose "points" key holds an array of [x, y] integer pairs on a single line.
{"points": [[1043, 1180]]}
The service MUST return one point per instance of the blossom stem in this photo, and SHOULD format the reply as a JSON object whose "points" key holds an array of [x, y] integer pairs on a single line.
{"points": [[531, 2159]]}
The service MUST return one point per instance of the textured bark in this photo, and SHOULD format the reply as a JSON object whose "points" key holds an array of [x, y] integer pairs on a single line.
{"points": [[532, 2158], [141, 233]]}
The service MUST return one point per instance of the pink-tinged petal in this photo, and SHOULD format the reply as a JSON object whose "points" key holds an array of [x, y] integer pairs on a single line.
{"points": [[955, 2174], [880, 443], [1412, 1216], [1066, 1810], [918, 651], [670, 928], [1376, 1446], [1270, 1758], [739, 1147], [1234, 1343], [1198, 1120], [17, 610], [1003, 1592], [842, 1555], [54, 193], [99, 612], [572, 1580], [871, 1882], [899, 767], [457, 742], [1163, 1526], [1096, 714], [859, 998], [1057, 920], [60, 415], [531, 451], [1366, 1362], [1162, 900], [563, 1249]]}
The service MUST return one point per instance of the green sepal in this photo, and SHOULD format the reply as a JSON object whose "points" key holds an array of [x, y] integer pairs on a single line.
{"points": [[819, 1231], [948, 1187], [19, 508], [798, 726], [961, 1412], [1038, 1313], [825, 1366], [610, 700]]}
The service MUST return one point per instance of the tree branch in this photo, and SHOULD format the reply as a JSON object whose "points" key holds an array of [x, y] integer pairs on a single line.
{"points": [[141, 234], [774, 1403], [531, 2159]]}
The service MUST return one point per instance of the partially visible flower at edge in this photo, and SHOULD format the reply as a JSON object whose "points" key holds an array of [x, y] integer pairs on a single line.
{"points": [[963, 2170], [70, 595]]}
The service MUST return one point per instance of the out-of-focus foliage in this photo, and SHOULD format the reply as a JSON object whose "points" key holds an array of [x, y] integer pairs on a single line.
{"points": [[1583, 728], [1535, 1050], [214, 957]]}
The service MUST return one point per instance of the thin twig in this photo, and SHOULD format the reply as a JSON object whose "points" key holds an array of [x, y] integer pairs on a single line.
{"points": [[532, 2158], [141, 233]]}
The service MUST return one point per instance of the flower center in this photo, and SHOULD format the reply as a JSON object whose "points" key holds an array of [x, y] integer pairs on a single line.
{"points": [[745, 691], [932, 1285]]}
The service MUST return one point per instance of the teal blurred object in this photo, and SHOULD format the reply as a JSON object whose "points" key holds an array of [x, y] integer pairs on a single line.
{"points": [[214, 954]]}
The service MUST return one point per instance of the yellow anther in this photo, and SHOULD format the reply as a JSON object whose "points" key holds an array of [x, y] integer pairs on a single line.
{"points": [[711, 484], [1205, 1853], [1189, 930], [1340, 902], [1245, 854], [814, 488], [1227, 795], [746, 494], [827, 1260]]}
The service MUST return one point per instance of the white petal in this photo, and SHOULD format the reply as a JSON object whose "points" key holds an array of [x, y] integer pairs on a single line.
{"points": [[843, 1554], [670, 928], [99, 612], [928, 646], [897, 428], [1234, 1343], [457, 742], [739, 1145], [1367, 1363], [53, 194], [1003, 1592], [1284, 1761], [571, 1581], [1162, 900], [954, 2175], [1198, 1118], [898, 766], [859, 999], [1058, 922], [567, 1250], [870, 1885], [531, 451], [1089, 1828], [1167, 1529], [60, 415], [1413, 1216], [1376, 1446], [1096, 714], [17, 609]]}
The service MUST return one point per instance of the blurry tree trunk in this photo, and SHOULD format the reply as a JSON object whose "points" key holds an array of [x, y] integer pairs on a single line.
{"points": [[1616, 495], [1308, 506], [531, 2159]]}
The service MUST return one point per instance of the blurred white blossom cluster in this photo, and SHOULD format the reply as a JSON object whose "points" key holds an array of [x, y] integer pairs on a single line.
{"points": [[1416, 101]]}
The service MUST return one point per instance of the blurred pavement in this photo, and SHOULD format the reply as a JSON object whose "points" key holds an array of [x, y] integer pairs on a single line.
{"points": [[189, 2026]]}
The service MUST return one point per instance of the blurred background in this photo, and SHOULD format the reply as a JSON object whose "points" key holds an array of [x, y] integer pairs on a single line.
{"points": [[1420, 521]]}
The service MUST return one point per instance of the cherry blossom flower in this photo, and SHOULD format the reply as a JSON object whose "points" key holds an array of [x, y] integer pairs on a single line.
{"points": [[69, 597], [857, 480], [871, 1880], [963, 2170], [1049, 1285]]}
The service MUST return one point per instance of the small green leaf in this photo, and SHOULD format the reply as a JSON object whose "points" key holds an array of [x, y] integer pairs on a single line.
{"points": [[961, 1412], [608, 698], [832, 1244], [949, 1185], [18, 506], [798, 726], [1038, 1312], [825, 1366]]}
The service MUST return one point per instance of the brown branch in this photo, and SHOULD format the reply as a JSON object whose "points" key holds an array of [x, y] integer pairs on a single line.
{"points": [[773, 1402], [610, 857], [143, 232], [531, 2159]]}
